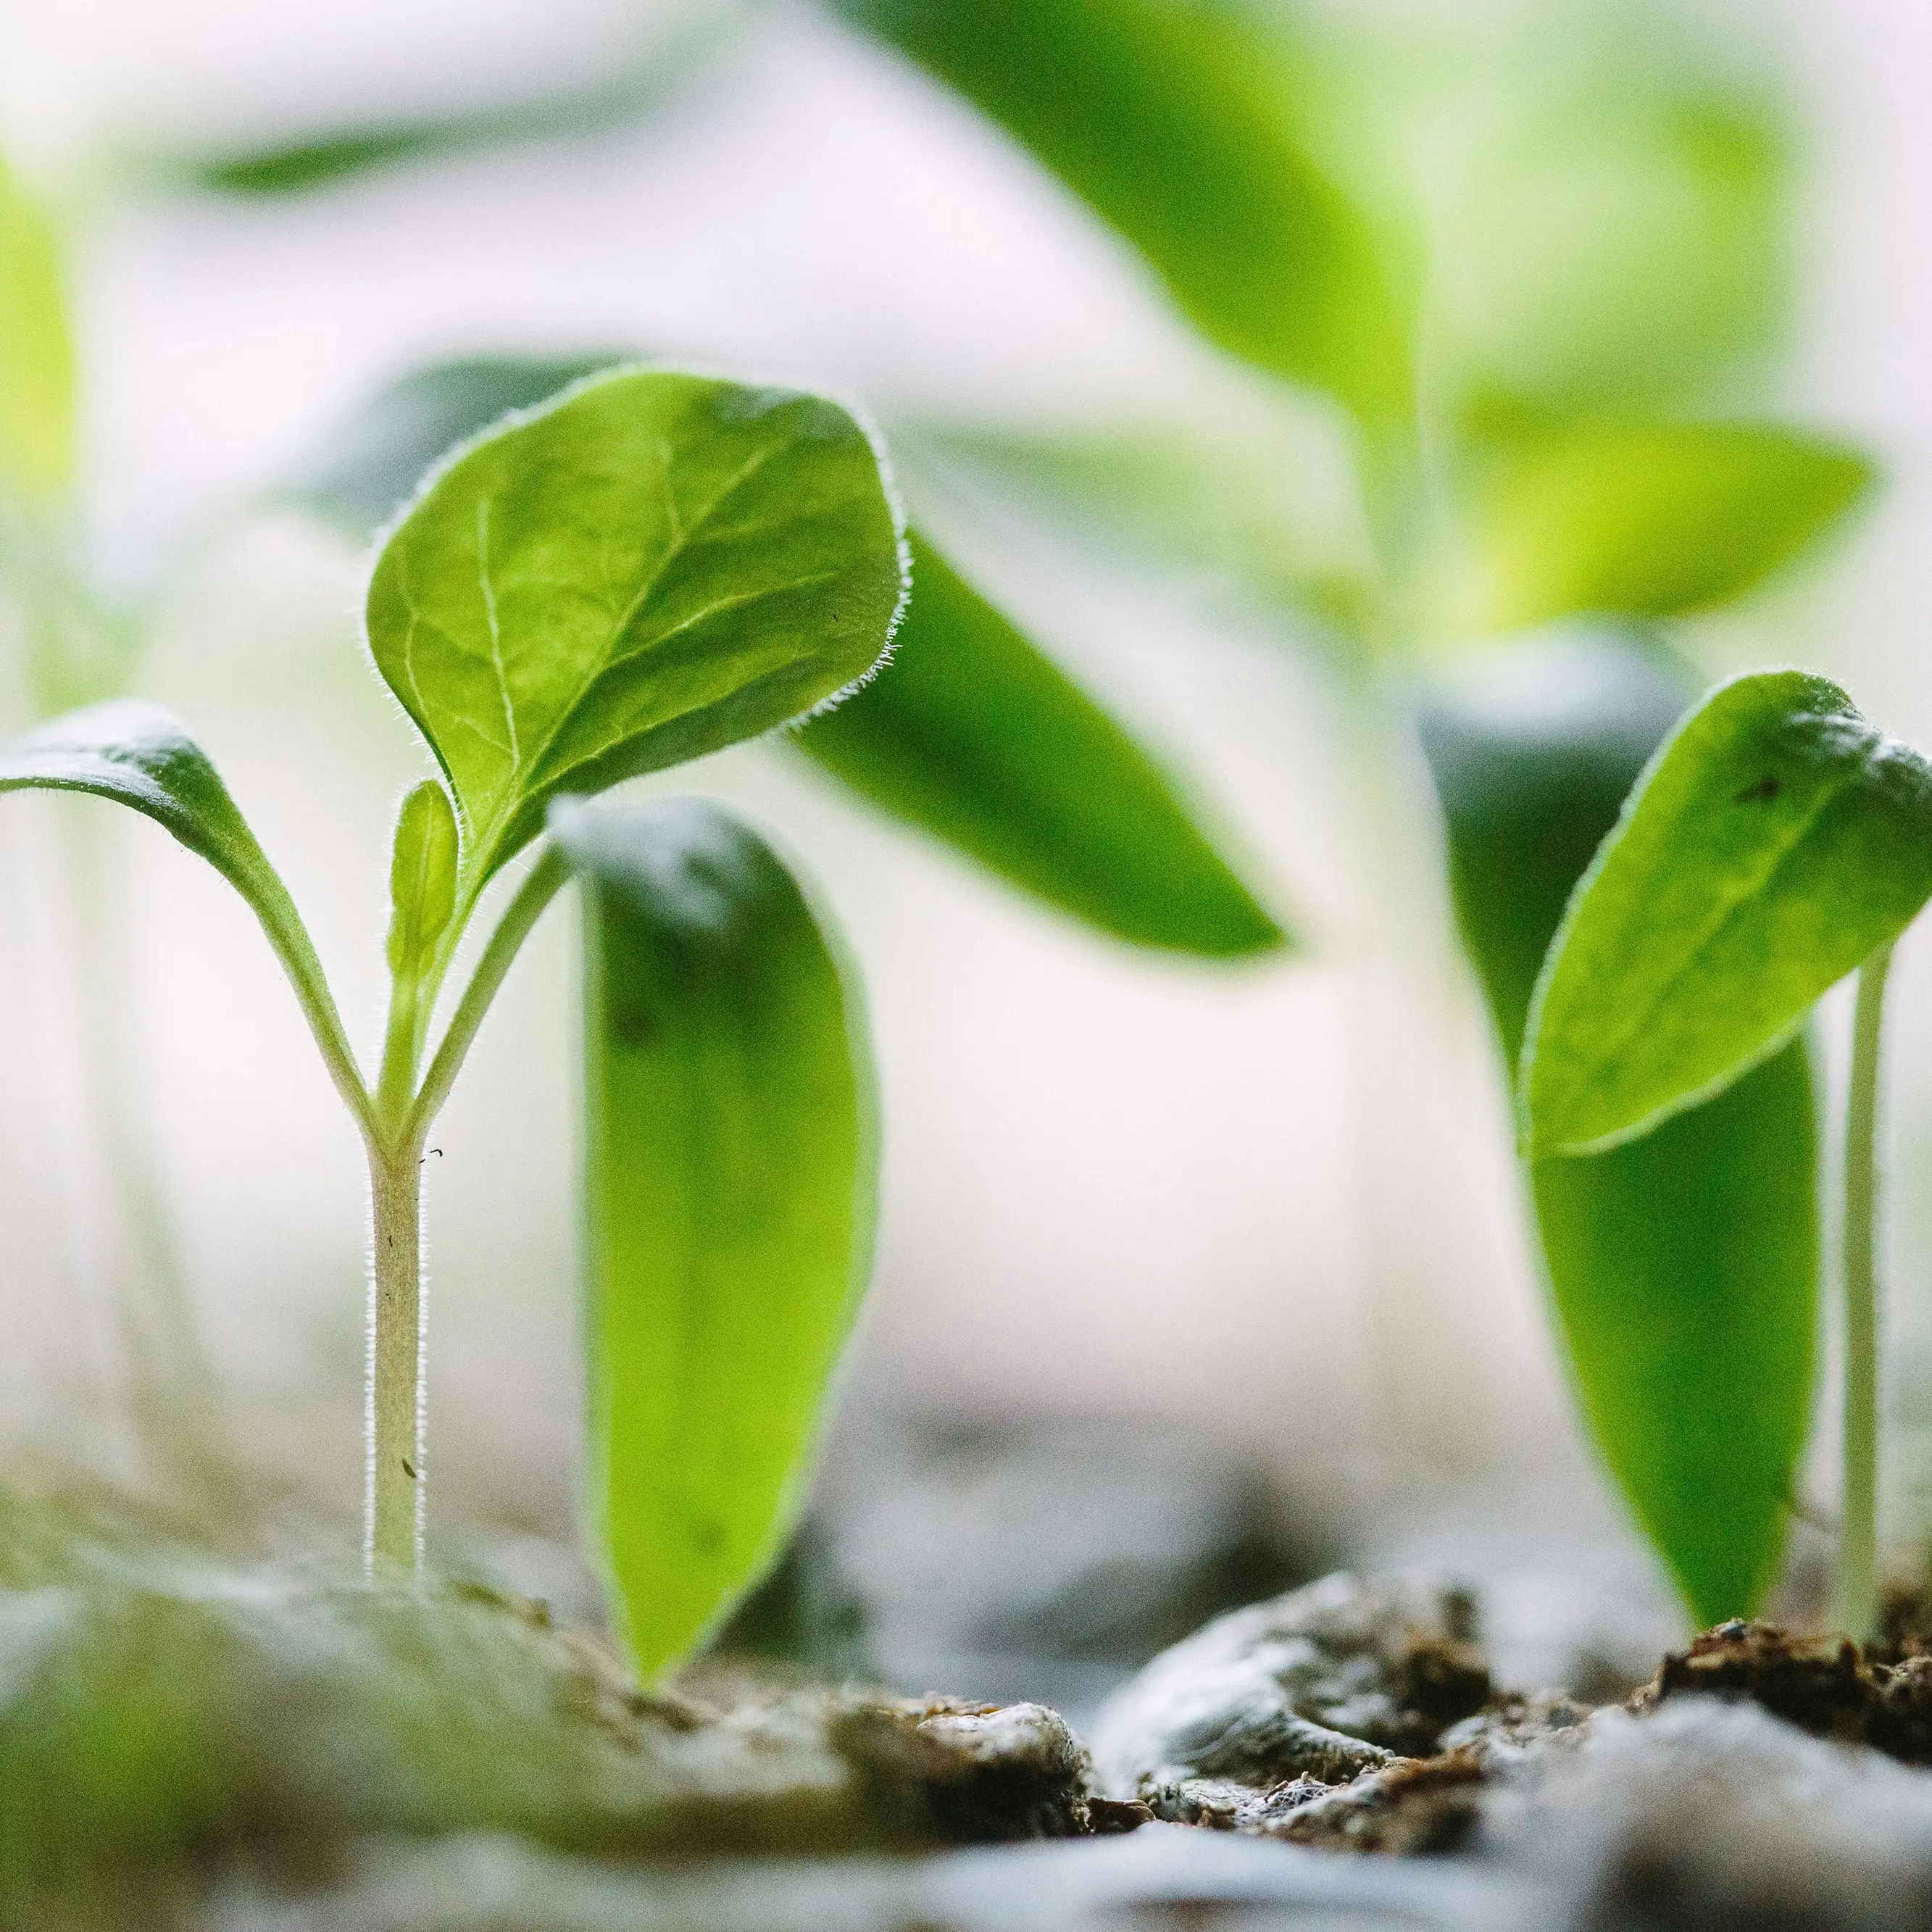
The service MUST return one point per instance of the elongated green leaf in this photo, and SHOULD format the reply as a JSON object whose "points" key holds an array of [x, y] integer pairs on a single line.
{"points": [[37, 405], [1172, 122], [1776, 841], [1645, 519], [1684, 1267], [973, 735], [730, 1187], [652, 567], [140, 755], [371, 462]]}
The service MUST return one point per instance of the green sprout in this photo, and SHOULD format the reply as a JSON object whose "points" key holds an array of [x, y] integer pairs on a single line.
{"points": [[1777, 842], [652, 566]]}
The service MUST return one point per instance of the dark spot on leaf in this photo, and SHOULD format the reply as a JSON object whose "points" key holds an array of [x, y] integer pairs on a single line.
{"points": [[707, 1537], [408, 1469], [1767, 788]]}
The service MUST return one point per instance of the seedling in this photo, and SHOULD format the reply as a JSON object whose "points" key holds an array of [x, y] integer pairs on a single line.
{"points": [[1777, 842], [652, 566]]}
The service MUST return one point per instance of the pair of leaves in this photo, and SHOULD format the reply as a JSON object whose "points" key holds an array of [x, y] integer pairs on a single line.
{"points": [[975, 737], [653, 566], [1773, 842], [1683, 1268]]}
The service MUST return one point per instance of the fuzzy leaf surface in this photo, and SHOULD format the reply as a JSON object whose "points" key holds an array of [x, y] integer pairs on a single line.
{"points": [[1647, 519], [1683, 1267], [652, 567], [976, 736], [730, 1193], [1777, 839]]}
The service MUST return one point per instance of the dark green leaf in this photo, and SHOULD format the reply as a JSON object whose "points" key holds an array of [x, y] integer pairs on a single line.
{"points": [[730, 1185], [1644, 519], [975, 736], [1173, 122], [139, 755], [1776, 841], [37, 404], [652, 567], [1683, 1267], [371, 462]]}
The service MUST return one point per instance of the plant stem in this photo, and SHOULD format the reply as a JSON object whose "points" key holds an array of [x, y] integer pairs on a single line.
{"points": [[394, 1492], [1857, 1605]]}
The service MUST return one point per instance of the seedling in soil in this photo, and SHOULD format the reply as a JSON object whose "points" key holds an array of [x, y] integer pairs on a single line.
{"points": [[1777, 842], [651, 567]]}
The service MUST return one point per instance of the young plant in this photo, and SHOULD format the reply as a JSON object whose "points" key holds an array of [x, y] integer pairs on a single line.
{"points": [[651, 567], [1776, 842]]}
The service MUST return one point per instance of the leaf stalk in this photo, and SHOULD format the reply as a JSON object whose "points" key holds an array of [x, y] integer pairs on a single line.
{"points": [[1856, 1598]]}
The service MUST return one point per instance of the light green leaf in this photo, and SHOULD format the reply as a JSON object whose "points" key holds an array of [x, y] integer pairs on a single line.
{"points": [[653, 566], [1776, 841], [371, 462], [141, 756], [36, 379], [1643, 519], [1683, 1267], [730, 1192], [422, 877], [1175, 124], [974, 736]]}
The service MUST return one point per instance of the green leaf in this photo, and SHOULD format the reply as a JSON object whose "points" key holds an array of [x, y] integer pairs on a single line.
{"points": [[1610, 203], [1685, 1270], [371, 462], [141, 756], [1644, 519], [652, 566], [975, 736], [1684, 1267], [422, 877], [730, 1193], [37, 380], [1776, 841], [1175, 123]]}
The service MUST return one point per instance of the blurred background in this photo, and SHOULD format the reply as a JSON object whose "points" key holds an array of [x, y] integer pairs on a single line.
{"points": [[1221, 1271]]}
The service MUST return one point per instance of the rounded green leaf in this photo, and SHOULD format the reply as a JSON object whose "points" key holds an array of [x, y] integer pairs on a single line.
{"points": [[422, 877], [652, 567], [975, 735], [1776, 840], [730, 1188]]}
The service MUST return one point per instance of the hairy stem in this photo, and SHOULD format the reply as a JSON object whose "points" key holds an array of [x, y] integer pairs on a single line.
{"points": [[1857, 1595], [394, 1492]]}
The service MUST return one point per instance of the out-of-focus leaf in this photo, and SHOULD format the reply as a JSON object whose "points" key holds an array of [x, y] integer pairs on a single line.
{"points": [[640, 83], [141, 756], [1776, 841], [1683, 1267], [1643, 519], [1173, 122], [36, 377], [1608, 190], [1264, 503], [371, 462], [730, 1186], [652, 567], [972, 734]]}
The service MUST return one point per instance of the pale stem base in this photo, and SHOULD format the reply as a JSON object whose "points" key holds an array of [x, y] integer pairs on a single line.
{"points": [[395, 1494]]}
